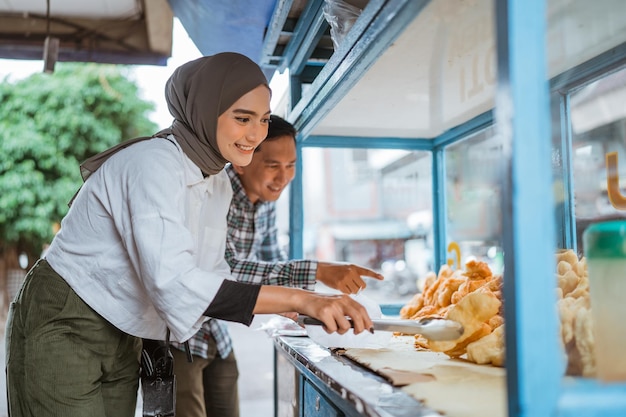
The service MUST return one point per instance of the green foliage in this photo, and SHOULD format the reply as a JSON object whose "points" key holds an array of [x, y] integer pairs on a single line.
{"points": [[49, 123]]}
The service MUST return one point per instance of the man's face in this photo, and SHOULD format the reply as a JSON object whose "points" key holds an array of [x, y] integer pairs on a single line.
{"points": [[272, 168]]}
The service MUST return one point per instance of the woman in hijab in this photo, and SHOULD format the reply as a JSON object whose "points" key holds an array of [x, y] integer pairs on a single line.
{"points": [[141, 252]]}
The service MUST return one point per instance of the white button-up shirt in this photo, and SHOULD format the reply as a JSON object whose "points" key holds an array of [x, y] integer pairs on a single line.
{"points": [[143, 243]]}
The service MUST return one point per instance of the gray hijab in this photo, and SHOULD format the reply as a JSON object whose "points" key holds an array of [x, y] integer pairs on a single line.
{"points": [[197, 93]]}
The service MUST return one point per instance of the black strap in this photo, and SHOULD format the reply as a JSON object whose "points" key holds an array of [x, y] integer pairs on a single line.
{"points": [[188, 352]]}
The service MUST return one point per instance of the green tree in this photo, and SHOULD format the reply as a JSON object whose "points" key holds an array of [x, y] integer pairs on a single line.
{"points": [[49, 124]]}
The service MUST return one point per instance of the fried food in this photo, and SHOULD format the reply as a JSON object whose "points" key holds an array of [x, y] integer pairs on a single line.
{"points": [[568, 281], [476, 275], [574, 309], [474, 298], [583, 334], [496, 321], [568, 307], [473, 312], [412, 307], [477, 270], [444, 295], [460, 348], [489, 349]]}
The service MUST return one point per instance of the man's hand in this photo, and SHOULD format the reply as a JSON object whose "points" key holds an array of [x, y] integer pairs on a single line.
{"points": [[347, 278]]}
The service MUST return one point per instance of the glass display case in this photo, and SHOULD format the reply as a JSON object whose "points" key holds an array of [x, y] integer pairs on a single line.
{"points": [[598, 126], [370, 207], [494, 126]]}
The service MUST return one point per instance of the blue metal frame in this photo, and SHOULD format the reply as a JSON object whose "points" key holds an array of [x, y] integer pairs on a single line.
{"points": [[562, 87], [439, 205], [383, 21], [275, 26], [361, 142], [296, 208], [535, 385], [304, 37], [565, 211], [435, 145], [468, 128], [522, 119], [345, 68], [440, 143], [600, 65], [296, 63]]}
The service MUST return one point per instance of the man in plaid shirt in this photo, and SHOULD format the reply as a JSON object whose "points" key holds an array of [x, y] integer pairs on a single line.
{"points": [[208, 385]]}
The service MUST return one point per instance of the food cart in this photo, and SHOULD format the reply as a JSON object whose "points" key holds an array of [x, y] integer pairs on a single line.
{"points": [[505, 99], [494, 118]]}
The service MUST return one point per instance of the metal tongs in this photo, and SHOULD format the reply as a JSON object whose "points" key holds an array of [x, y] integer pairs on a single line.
{"points": [[432, 328]]}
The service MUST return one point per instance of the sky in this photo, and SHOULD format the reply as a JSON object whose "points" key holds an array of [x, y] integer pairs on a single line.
{"points": [[150, 78]]}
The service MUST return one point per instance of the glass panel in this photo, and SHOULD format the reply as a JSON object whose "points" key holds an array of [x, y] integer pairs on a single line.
{"points": [[371, 208], [598, 118], [598, 125], [439, 73], [473, 199], [579, 30]]}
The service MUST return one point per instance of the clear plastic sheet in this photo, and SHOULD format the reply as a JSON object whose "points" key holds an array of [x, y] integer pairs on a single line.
{"points": [[364, 339], [283, 326], [340, 15]]}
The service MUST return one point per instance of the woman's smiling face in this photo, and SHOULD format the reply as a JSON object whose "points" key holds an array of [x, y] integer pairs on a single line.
{"points": [[243, 126]]}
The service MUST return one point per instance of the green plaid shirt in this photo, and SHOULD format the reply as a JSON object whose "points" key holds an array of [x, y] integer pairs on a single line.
{"points": [[253, 253]]}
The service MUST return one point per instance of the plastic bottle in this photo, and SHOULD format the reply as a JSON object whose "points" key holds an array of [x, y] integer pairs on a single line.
{"points": [[605, 250]]}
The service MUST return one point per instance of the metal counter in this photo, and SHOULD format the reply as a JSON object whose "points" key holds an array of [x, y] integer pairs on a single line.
{"points": [[311, 380]]}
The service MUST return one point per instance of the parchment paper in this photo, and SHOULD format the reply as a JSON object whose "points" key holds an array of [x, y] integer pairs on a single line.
{"points": [[453, 387]]}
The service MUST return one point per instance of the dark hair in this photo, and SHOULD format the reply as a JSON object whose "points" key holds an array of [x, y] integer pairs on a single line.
{"points": [[278, 127]]}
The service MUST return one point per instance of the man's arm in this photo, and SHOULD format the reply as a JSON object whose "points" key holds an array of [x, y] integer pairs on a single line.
{"points": [[300, 273], [243, 250]]}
